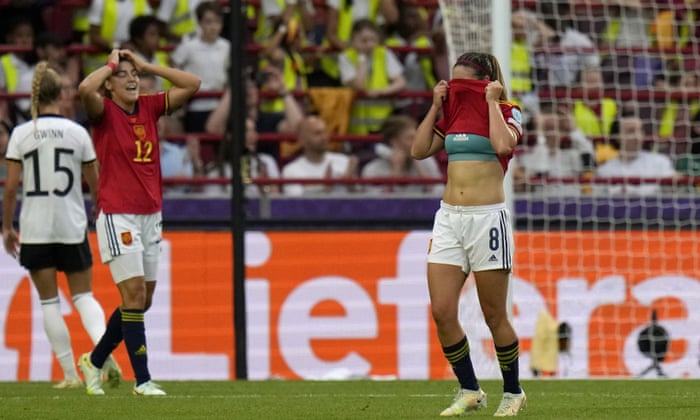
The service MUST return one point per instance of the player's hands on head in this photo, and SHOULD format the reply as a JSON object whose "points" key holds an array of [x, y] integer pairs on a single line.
{"points": [[493, 91], [440, 93], [137, 61], [113, 57]]}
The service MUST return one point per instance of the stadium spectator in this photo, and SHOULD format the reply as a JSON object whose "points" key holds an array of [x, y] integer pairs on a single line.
{"points": [[394, 160], [130, 200], [255, 165], [627, 26], [207, 56], [479, 130], [528, 33], [634, 162], [144, 40], [675, 28], [175, 159], [418, 69], [374, 72], [16, 70], [317, 162], [52, 48], [52, 221], [689, 163], [551, 157], [109, 27], [675, 117], [563, 68], [441, 59], [70, 105], [177, 18], [341, 16], [283, 55], [285, 122], [273, 13], [595, 114]]}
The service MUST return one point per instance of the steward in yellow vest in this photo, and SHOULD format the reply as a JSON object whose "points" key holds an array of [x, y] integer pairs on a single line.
{"points": [[103, 33]]}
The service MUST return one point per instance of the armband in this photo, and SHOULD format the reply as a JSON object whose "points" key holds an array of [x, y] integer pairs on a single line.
{"points": [[111, 65]]}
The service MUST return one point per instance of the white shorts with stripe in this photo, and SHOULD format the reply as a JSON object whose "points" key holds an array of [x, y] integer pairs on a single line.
{"points": [[130, 243], [476, 238]]}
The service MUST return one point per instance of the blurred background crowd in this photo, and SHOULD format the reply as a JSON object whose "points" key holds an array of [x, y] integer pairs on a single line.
{"points": [[335, 88]]}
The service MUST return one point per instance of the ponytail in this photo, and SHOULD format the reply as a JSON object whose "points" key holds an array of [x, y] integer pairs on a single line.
{"points": [[46, 88]]}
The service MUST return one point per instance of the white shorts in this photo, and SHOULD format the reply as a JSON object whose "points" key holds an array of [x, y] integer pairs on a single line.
{"points": [[476, 238], [130, 244]]}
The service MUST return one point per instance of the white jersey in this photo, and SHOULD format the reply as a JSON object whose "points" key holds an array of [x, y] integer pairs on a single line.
{"points": [[52, 154]]}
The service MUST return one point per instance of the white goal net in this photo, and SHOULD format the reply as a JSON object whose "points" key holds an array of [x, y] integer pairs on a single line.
{"points": [[605, 195]]}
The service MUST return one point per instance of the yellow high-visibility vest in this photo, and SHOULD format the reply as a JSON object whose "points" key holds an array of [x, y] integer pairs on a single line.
{"points": [[425, 62], [182, 23], [92, 62], [11, 76], [589, 122], [294, 67], [163, 59], [329, 63], [668, 118], [520, 68], [368, 115], [81, 23]]}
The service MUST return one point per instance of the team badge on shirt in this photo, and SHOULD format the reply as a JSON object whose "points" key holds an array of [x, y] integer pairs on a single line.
{"points": [[126, 238]]}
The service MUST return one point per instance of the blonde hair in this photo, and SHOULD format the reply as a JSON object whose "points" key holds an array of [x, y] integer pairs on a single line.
{"points": [[46, 87]]}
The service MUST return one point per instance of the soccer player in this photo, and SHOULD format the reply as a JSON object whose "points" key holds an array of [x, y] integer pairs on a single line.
{"points": [[129, 221], [472, 230], [49, 154]]}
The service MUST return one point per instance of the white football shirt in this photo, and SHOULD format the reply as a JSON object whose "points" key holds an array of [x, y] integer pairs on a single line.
{"points": [[51, 154]]}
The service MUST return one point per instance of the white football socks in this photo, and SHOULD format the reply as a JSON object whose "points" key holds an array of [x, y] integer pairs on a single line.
{"points": [[59, 337], [91, 314]]}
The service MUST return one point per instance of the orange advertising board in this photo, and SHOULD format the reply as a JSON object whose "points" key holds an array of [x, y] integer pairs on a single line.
{"points": [[355, 304]]}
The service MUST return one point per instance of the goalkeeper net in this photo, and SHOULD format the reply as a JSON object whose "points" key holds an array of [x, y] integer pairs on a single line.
{"points": [[605, 196]]}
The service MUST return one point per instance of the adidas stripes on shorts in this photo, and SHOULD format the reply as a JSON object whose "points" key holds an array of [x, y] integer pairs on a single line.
{"points": [[130, 244], [476, 238]]}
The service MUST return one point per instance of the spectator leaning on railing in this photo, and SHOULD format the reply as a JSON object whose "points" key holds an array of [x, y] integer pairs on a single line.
{"points": [[634, 162], [317, 162]]}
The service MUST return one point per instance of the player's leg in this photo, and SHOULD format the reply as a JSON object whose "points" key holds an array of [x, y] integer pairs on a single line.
{"points": [[40, 260], [445, 283], [491, 257], [91, 313], [492, 287], [151, 236], [447, 268]]}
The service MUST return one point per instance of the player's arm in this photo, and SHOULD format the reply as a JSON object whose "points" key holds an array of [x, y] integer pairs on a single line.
{"points": [[10, 238], [89, 88], [184, 84], [90, 173], [503, 137], [426, 142]]}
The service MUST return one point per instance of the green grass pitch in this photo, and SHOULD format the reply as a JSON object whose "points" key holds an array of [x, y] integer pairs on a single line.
{"points": [[360, 399]]}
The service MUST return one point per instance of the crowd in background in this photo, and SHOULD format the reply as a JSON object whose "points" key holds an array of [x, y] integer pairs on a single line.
{"points": [[608, 88]]}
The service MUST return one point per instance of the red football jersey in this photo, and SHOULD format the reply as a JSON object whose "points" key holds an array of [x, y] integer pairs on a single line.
{"points": [[465, 112], [127, 149]]}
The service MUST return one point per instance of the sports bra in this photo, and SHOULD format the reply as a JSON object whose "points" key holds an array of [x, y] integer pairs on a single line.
{"points": [[469, 147]]}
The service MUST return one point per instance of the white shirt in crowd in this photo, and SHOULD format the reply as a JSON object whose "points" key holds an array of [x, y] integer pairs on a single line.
{"points": [[540, 160], [209, 61], [301, 167], [52, 155], [645, 165]]}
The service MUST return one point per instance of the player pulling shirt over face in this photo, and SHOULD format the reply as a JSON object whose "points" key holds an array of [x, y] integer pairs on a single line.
{"points": [[464, 125]]}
